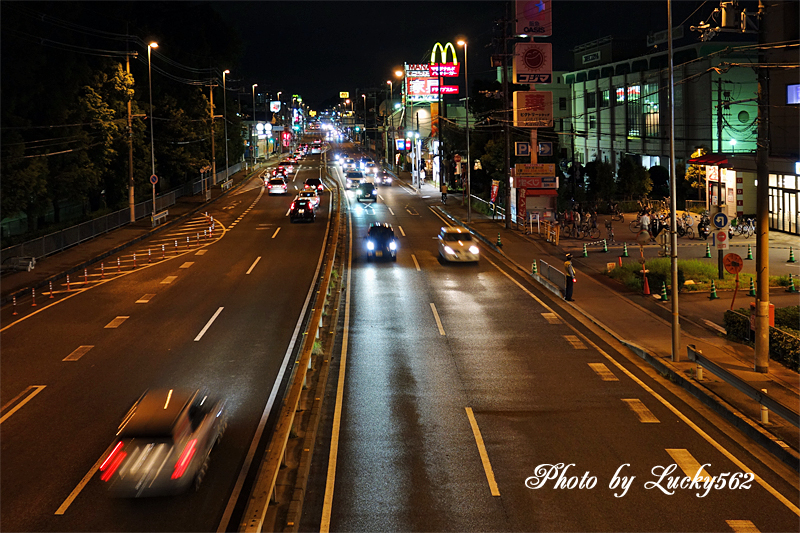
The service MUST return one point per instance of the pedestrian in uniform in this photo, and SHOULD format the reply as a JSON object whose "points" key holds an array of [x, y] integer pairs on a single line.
{"points": [[570, 271]]}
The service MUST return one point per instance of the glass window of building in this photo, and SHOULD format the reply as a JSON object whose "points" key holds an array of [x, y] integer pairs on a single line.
{"points": [[605, 96], [634, 111]]}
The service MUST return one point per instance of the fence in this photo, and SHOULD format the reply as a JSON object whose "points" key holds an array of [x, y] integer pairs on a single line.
{"points": [[553, 274], [60, 240], [490, 207]]}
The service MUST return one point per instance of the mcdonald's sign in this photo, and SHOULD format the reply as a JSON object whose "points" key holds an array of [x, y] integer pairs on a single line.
{"points": [[442, 67]]}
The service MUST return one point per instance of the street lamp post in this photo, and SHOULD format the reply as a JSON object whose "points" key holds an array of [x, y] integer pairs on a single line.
{"points": [[280, 114], [225, 118], [152, 142], [389, 110], [366, 139], [466, 114], [252, 135]]}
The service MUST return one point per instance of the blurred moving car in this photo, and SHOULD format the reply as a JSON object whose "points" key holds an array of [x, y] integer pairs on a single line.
{"points": [[353, 179], [350, 164], [383, 178], [367, 192], [309, 194], [314, 183], [456, 244], [371, 169], [164, 443], [277, 185], [302, 209], [287, 164], [381, 241]]}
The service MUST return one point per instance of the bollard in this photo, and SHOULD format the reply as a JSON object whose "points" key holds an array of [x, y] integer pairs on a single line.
{"points": [[619, 259], [51, 289], [708, 251], [791, 255], [699, 373], [176, 246], [198, 238], [85, 276], [149, 255], [534, 268], [134, 259], [15, 306], [749, 253], [605, 246], [68, 289], [625, 250], [752, 288], [499, 244], [33, 293], [764, 411], [118, 267], [162, 251], [585, 252], [187, 242], [102, 271], [205, 235], [713, 295]]}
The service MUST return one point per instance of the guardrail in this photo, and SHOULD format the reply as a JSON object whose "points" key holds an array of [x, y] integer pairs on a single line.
{"points": [[759, 396], [553, 274], [160, 217]]}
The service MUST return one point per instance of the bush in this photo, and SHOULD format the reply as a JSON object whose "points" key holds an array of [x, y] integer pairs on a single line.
{"points": [[784, 342], [788, 317]]}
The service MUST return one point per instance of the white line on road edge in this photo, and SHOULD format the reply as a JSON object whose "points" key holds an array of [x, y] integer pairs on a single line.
{"points": [[780, 497], [390, 210], [487, 466], [208, 325], [327, 504], [254, 264], [33, 389], [436, 316], [414, 257], [403, 233], [82, 483], [276, 232]]}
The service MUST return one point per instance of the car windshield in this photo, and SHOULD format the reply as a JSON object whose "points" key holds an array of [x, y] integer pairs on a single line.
{"points": [[276, 182], [381, 233], [312, 181], [354, 175], [453, 237]]}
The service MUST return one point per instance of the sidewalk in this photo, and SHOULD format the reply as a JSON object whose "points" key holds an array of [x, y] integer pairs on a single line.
{"points": [[644, 323], [78, 257]]}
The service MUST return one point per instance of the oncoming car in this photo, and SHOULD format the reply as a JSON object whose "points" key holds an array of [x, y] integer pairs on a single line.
{"points": [[383, 179], [367, 192], [164, 443], [456, 244], [381, 241], [353, 179]]}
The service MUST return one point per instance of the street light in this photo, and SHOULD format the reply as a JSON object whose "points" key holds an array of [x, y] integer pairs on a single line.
{"points": [[253, 147], [466, 114], [388, 110], [152, 143], [364, 96], [225, 118]]}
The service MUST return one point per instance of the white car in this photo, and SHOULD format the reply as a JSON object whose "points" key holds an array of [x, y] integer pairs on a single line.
{"points": [[457, 244], [371, 169], [309, 194]]}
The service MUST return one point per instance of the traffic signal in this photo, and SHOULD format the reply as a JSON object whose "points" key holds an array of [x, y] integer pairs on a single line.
{"points": [[358, 128]]}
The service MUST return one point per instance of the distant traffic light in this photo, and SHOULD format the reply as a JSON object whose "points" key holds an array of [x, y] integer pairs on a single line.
{"points": [[358, 128]]}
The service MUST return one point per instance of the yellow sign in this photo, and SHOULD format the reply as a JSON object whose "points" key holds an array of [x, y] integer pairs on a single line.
{"points": [[444, 49], [344, 94], [312, 113], [535, 169]]}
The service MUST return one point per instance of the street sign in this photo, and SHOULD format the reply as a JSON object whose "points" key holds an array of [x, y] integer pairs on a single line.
{"points": [[344, 94], [522, 148], [733, 263], [534, 169], [721, 240], [720, 220], [535, 182], [533, 109], [546, 149], [457, 158], [643, 237], [533, 63], [153, 179]]}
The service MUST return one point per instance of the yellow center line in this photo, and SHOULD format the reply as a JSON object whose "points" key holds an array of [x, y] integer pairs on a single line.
{"points": [[487, 466]]}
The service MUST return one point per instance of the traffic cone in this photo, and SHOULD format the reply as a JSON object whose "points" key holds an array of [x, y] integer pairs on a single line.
{"points": [[585, 252], [664, 296], [499, 244], [534, 269], [625, 250], [749, 253], [605, 246], [791, 285], [752, 287], [646, 291], [791, 255], [713, 295], [708, 251]]}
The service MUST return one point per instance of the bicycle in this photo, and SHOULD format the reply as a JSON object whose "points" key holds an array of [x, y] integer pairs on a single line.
{"points": [[616, 214], [610, 230]]}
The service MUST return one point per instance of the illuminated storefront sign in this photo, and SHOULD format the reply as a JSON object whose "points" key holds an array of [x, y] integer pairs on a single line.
{"points": [[275, 106], [533, 109], [442, 67], [534, 18]]}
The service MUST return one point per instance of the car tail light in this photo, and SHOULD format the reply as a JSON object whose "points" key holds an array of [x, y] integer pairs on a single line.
{"points": [[319, 187], [112, 462], [292, 206], [185, 459]]}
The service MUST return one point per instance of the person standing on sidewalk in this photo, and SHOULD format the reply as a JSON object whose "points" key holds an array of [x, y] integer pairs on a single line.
{"points": [[570, 273], [444, 193]]}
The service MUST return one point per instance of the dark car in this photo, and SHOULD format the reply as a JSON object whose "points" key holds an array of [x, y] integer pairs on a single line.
{"points": [[164, 443], [381, 241], [367, 193], [313, 183], [302, 209]]}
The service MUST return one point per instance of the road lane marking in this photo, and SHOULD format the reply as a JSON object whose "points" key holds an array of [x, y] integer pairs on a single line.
{"points": [[742, 526], [168, 280], [117, 322], [487, 466], [25, 396], [575, 342], [390, 210], [82, 483], [414, 257], [641, 411], [436, 316], [253, 265], [403, 233], [276, 232], [145, 299], [187, 264], [551, 318], [603, 371], [688, 463], [208, 324], [78, 352]]}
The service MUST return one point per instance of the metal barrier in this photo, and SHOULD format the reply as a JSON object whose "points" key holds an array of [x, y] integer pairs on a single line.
{"points": [[743, 387], [550, 230], [160, 217], [553, 274]]}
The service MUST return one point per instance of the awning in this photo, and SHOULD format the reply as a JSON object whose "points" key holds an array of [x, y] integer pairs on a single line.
{"points": [[714, 160], [541, 192]]}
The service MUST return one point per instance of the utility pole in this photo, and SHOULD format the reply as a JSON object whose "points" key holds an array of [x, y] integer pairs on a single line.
{"points": [[762, 205], [213, 152], [506, 128], [131, 202], [673, 201]]}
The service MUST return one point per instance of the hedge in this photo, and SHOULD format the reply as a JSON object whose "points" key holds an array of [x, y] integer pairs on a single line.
{"points": [[784, 346]]}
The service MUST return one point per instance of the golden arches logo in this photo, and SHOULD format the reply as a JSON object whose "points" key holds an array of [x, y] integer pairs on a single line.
{"points": [[443, 50]]}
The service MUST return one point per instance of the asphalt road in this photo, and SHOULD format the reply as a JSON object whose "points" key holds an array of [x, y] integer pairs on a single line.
{"points": [[464, 388], [221, 314]]}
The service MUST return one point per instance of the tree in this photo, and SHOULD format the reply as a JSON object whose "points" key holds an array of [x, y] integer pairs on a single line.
{"points": [[601, 184], [696, 174], [633, 180], [660, 177]]}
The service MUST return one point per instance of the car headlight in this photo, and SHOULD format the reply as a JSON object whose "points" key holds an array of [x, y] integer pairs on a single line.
{"points": [[370, 245], [449, 250], [349, 183], [473, 249], [393, 245]]}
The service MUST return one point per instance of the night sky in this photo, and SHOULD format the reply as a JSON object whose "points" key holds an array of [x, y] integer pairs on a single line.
{"points": [[317, 49]]}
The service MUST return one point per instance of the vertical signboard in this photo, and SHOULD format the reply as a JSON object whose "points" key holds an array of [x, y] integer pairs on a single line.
{"points": [[533, 63], [534, 18], [533, 109]]}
